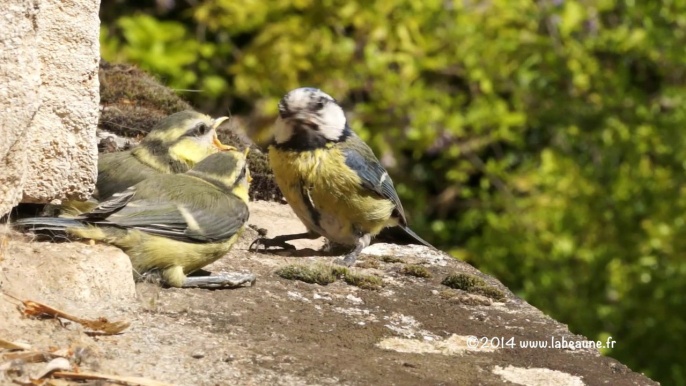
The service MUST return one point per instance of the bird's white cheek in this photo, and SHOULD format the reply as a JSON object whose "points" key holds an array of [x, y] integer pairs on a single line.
{"points": [[332, 122], [207, 140]]}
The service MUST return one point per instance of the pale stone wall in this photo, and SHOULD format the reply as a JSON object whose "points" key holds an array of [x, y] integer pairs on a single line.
{"points": [[49, 97]]}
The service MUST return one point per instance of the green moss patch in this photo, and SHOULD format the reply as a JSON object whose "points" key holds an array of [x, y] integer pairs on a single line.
{"points": [[369, 282], [324, 274], [490, 292], [416, 271], [463, 281], [390, 259], [314, 274], [464, 298], [368, 263], [472, 284]]}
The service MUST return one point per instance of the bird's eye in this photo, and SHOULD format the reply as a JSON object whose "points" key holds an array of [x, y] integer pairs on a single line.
{"points": [[201, 129]]}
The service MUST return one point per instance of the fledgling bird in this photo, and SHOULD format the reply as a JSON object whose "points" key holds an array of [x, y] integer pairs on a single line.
{"points": [[171, 224], [173, 146], [329, 176]]}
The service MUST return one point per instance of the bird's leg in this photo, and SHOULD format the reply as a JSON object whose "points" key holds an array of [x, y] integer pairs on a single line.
{"points": [[349, 259], [223, 280], [280, 241]]}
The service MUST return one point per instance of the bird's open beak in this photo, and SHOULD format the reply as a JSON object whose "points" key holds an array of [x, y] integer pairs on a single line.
{"points": [[216, 140]]}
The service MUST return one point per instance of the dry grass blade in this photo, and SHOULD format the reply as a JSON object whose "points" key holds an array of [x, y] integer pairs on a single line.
{"points": [[29, 356], [56, 382], [57, 364], [34, 356], [33, 308], [127, 381], [7, 345]]}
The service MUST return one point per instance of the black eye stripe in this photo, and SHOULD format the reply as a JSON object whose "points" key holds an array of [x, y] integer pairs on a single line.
{"points": [[244, 170], [198, 130], [319, 104]]}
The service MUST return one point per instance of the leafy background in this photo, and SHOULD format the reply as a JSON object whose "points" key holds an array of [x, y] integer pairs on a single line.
{"points": [[541, 141]]}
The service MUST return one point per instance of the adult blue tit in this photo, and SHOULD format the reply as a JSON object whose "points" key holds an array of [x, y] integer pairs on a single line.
{"points": [[170, 224], [329, 176], [173, 146]]}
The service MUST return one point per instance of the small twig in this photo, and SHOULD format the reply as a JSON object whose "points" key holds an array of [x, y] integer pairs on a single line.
{"points": [[7, 345], [33, 308], [127, 381]]}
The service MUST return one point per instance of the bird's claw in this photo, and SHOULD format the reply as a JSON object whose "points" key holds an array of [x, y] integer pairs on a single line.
{"points": [[346, 261], [223, 280], [268, 243]]}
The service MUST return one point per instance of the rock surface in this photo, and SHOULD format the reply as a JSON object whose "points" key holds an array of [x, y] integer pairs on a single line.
{"points": [[412, 331], [49, 54]]}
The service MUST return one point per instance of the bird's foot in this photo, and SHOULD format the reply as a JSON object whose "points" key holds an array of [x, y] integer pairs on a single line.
{"points": [[269, 243], [347, 261], [223, 280], [152, 276]]}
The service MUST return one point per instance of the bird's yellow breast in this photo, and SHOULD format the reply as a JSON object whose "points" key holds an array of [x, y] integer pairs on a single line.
{"points": [[173, 258], [345, 208]]}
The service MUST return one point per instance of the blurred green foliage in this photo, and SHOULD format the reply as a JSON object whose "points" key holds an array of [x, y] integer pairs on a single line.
{"points": [[542, 141]]}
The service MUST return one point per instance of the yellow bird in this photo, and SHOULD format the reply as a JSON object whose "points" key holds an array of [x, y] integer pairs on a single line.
{"points": [[170, 224], [329, 176], [173, 146]]}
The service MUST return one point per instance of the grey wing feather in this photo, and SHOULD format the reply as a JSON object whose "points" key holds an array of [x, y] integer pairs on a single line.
{"points": [[220, 225], [183, 223], [118, 171], [115, 203]]}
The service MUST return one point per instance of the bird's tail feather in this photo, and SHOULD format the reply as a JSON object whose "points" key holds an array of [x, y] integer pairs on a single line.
{"points": [[416, 237], [53, 226]]}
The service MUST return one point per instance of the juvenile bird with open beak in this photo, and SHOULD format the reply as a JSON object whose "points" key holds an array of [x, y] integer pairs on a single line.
{"points": [[174, 145], [330, 176]]}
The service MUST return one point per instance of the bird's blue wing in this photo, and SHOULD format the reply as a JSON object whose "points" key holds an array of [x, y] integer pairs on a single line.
{"points": [[360, 158]]}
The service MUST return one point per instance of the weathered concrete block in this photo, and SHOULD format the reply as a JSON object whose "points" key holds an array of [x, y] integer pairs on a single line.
{"points": [[66, 273], [49, 100]]}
